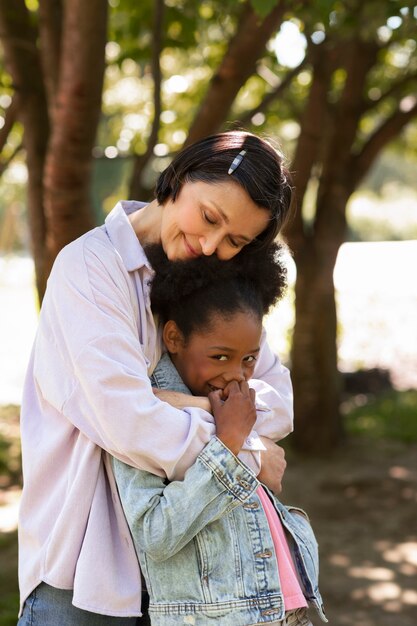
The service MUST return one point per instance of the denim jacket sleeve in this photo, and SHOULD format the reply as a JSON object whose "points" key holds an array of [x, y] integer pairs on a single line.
{"points": [[165, 517]]}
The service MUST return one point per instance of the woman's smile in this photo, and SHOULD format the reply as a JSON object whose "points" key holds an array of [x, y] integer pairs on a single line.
{"points": [[190, 251]]}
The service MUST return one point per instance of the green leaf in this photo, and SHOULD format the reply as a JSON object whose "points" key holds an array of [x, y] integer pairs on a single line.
{"points": [[263, 7]]}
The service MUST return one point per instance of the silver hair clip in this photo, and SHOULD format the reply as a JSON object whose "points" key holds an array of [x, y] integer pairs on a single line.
{"points": [[236, 162]]}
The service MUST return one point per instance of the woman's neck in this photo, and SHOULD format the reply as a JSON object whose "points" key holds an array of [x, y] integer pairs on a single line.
{"points": [[146, 223]]}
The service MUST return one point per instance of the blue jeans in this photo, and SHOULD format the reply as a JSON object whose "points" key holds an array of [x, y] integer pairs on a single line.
{"points": [[48, 606]]}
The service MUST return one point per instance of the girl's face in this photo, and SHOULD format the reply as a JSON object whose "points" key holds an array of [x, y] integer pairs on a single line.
{"points": [[210, 219], [210, 359]]}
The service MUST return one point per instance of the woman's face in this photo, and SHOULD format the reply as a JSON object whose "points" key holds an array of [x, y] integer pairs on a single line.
{"points": [[208, 219], [210, 359]]}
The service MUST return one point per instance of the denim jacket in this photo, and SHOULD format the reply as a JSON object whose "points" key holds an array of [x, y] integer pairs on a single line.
{"points": [[204, 543]]}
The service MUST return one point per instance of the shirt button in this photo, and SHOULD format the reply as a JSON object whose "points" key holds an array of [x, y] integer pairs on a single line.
{"points": [[270, 612], [264, 555], [251, 505]]}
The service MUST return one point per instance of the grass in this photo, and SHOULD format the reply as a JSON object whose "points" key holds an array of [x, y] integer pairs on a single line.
{"points": [[390, 415], [9, 597], [10, 477]]}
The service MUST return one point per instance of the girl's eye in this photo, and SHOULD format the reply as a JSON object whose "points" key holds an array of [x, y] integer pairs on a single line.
{"points": [[250, 359], [220, 357], [209, 219]]}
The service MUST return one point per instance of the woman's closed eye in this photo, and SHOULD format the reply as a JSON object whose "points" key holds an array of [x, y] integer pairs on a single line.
{"points": [[234, 243], [213, 221], [210, 219]]}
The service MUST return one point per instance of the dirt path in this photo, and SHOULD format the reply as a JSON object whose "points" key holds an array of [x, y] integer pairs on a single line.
{"points": [[363, 506]]}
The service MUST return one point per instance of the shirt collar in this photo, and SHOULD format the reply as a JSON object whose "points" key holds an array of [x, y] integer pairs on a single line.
{"points": [[123, 237]]}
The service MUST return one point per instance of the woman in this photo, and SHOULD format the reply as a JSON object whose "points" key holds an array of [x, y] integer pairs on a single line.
{"points": [[87, 387]]}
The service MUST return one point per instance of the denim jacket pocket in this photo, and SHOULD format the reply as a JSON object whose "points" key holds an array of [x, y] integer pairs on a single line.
{"points": [[304, 548], [299, 526], [221, 579]]}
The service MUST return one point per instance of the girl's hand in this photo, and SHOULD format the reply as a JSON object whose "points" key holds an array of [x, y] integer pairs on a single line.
{"points": [[180, 400], [235, 415]]}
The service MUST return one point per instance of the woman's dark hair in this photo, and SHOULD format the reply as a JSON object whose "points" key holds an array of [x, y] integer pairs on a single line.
{"points": [[261, 173], [193, 292]]}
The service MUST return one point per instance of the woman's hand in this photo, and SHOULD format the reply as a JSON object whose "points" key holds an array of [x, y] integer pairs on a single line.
{"points": [[180, 400], [234, 412], [273, 466]]}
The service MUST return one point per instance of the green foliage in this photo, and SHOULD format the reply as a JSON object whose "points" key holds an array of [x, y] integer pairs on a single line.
{"points": [[263, 7], [110, 184], [32, 5], [392, 415], [10, 463], [392, 167], [185, 24], [194, 39], [195, 36], [391, 216]]}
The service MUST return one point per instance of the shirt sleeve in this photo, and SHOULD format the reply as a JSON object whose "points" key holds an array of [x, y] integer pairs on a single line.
{"points": [[274, 395], [90, 365]]}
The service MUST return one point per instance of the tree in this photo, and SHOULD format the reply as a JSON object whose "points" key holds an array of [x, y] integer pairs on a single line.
{"points": [[359, 99], [244, 49], [352, 94], [371, 89], [56, 61]]}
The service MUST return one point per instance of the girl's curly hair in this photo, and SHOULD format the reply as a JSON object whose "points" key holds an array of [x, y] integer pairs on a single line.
{"points": [[193, 292]]}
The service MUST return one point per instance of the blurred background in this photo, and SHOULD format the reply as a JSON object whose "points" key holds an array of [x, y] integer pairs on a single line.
{"points": [[96, 98]]}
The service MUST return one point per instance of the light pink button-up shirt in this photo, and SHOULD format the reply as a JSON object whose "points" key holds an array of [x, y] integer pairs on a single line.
{"points": [[87, 390]]}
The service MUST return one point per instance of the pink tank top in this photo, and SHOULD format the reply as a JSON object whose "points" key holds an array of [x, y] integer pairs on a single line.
{"points": [[291, 590]]}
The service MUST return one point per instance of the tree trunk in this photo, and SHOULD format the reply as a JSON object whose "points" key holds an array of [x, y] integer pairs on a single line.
{"points": [[315, 375], [50, 31], [314, 357], [314, 352], [237, 66], [310, 141], [75, 117], [22, 60], [137, 189]]}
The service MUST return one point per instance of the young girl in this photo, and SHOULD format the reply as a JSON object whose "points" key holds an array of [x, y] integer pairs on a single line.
{"points": [[217, 547]]}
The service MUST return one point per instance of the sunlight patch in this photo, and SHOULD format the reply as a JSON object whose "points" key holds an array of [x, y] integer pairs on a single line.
{"points": [[409, 596], [380, 592], [399, 472], [372, 573], [403, 552], [9, 507], [340, 560]]}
